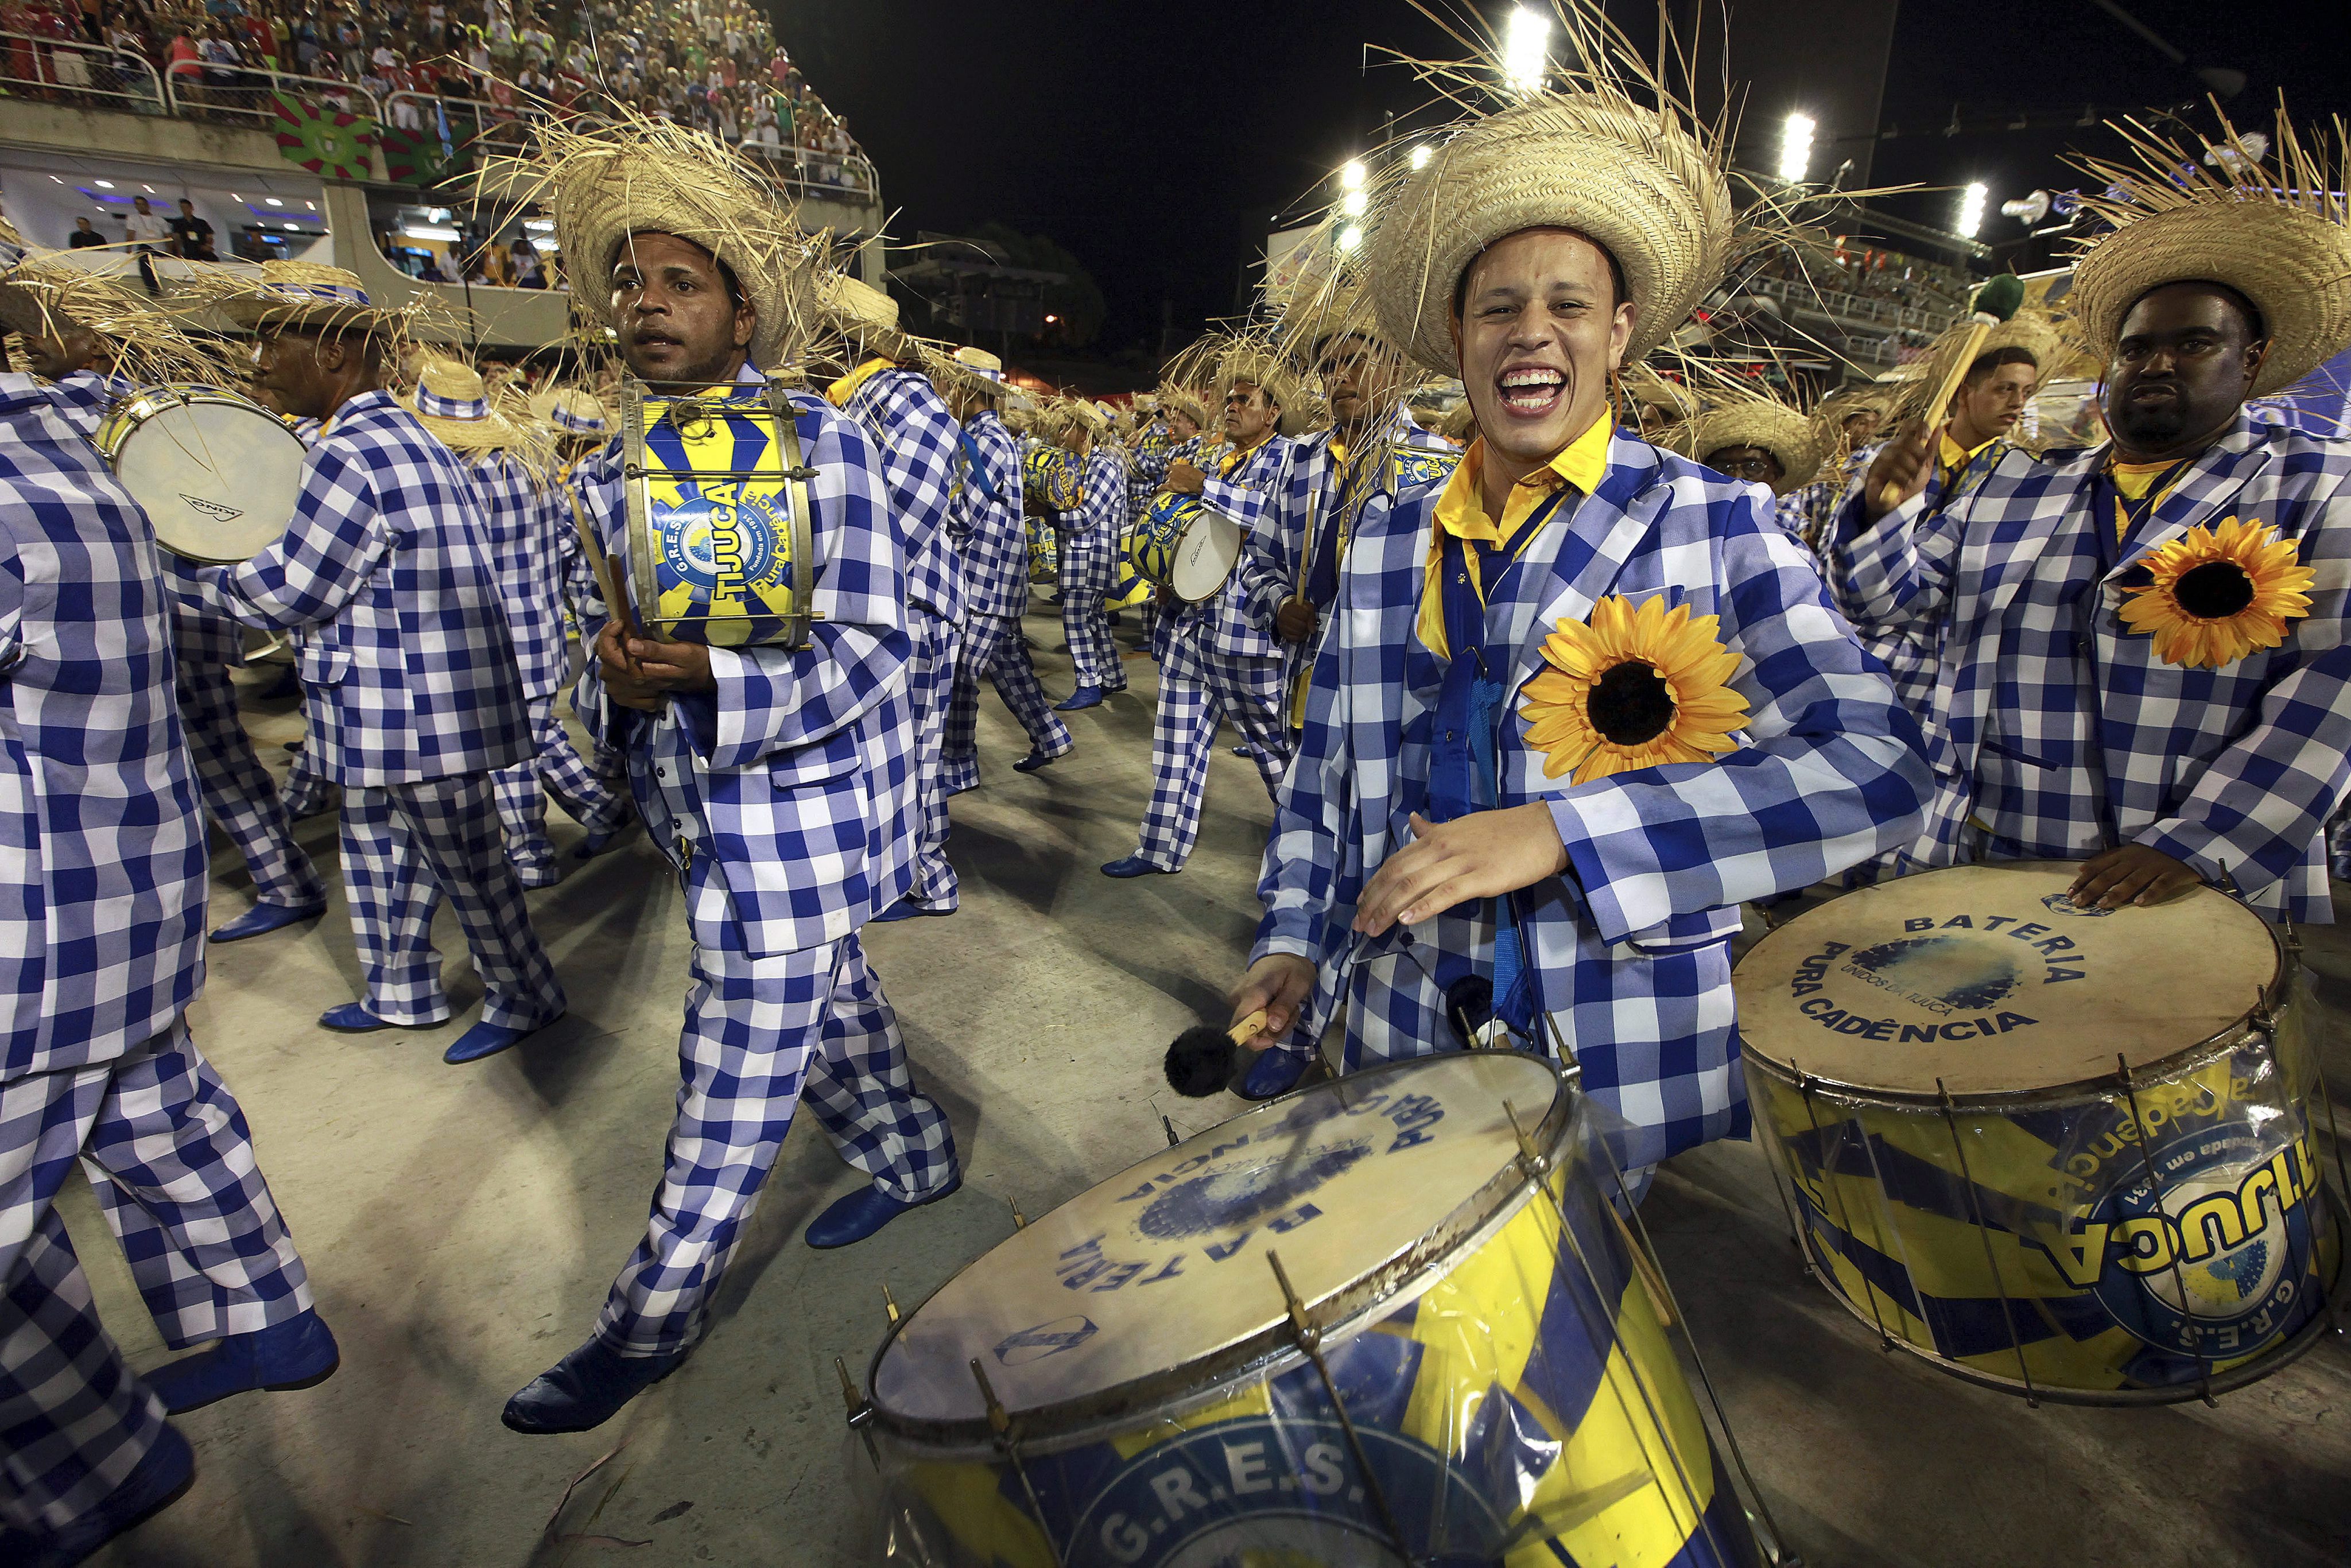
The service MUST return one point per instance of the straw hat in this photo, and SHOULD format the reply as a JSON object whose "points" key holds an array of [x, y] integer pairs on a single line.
{"points": [[1259, 365], [865, 315], [975, 369], [1793, 441], [146, 343], [2032, 329], [1090, 414], [452, 402], [1637, 181], [573, 411], [303, 296], [2275, 234], [1180, 400], [1645, 387]]}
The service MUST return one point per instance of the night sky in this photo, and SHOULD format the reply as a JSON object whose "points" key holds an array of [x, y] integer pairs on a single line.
{"points": [[1157, 143]]}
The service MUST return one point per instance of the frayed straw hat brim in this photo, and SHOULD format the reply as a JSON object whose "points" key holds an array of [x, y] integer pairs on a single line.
{"points": [[309, 316], [2292, 264], [1790, 438]]}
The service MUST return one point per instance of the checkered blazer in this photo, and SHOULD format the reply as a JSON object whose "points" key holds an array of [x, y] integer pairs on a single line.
{"points": [[523, 522], [1223, 622], [803, 762], [1090, 542], [102, 852], [916, 437], [2236, 768], [993, 535], [1274, 560], [408, 669], [1630, 949]]}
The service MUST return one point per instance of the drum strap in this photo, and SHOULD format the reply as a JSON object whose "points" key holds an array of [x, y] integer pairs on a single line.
{"points": [[975, 465]]}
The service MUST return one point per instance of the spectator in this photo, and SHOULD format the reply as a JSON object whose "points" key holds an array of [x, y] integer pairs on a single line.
{"points": [[191, 236], [83, 235]]}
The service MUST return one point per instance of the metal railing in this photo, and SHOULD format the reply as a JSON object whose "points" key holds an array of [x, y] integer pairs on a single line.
{"points": [[250, 93], [78, 74], [814, 172], [1855, 309]]}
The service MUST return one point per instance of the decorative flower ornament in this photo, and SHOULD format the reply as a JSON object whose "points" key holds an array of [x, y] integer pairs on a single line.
{"points": [[2216, 596], [1634, 688]]}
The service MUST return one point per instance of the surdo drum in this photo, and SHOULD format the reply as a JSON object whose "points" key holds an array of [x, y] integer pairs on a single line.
{"points": [[2061, 1152], [216, 473], [1185, 545], [1372, 1323]]}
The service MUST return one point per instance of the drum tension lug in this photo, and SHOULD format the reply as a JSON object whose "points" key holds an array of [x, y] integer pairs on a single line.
{"points": [[861, 1411], [1019, 1221], [889, 1302], [1171, 1139]]}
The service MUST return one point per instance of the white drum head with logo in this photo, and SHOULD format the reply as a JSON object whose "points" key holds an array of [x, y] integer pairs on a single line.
{"points": [[1205, 555], [1988, 979], [217, 474], [1164, 1265]]}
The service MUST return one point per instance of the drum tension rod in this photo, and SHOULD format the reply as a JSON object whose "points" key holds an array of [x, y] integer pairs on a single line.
{"points": [[639, 471], [1019, 1221], [1303, 1328], [861, 1411], [1983, 1234], [2155, 1185], [1007, 1438], [889, 1302], [1171, 1139], [1538, 1169]]}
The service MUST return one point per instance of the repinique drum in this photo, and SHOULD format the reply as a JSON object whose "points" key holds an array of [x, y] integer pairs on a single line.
{"points": [[1048, 477], [719, 516], [1185, 545], [1044, 552], [2058, 1151], [216, 473], [1363, 1324]]}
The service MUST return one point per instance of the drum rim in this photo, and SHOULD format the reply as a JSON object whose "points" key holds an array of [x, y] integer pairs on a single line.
{"points": [[1394, 1282], [2322, 1323], [2276, 995], [128, 417], [1175, 544]]}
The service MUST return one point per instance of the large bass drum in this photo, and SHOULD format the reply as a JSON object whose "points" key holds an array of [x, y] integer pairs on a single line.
{"points": [[719, 516], [216, 473], [2058, 1151], [1388, 1319]]}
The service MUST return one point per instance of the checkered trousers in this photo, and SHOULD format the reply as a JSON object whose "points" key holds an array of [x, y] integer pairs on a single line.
{"points": [[405, 848], [760, 1036], [1199, 689], [991, 535], [408, 668], [930, 685], [238, 792], [102, 855], [917, 440], [519, 520], [556, 768], [992, 647]]}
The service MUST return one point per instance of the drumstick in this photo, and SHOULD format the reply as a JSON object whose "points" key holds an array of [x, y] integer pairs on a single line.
{"points": [[616, 598], [1995, 302], [1653, 1282], [1204, 1057]]}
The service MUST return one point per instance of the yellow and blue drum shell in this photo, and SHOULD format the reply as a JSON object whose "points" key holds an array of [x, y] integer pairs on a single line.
{"points": [[719, 550], [1153, 551], [1049, 475], [1044, 552]]}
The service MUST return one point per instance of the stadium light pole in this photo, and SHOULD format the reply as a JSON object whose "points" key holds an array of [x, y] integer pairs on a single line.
{"points": [[1796, 147], [1971, 210], [1526, 51]]}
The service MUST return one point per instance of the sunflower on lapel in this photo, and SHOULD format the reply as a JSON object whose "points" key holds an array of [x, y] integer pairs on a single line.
{"points": [[1635, 688], [2216, 596]]}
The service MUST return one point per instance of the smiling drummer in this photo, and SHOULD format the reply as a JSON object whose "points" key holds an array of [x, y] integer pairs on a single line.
{"points": [[1584, 698], [2142, 656], [779, 781]]}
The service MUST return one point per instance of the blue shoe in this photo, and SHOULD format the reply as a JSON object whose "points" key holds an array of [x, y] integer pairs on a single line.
{"points": [[264, 919], [1036, 759], [157, 1482], [1245, 754], [352, 1018], [861, 1214], [485, 1039], [299, 1353], [1135, 865], [595, 844], [586, 1388], [1083, 699], [902, 910], [1274, 1073]]}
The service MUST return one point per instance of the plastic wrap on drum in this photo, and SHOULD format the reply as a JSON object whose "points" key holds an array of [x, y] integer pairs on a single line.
{"points": [[1525, 1407]]}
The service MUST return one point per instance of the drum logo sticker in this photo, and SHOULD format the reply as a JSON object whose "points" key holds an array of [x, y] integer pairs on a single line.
{"points": [[1025, 1346], [213, 509], [718, 548], [1967, 986]]}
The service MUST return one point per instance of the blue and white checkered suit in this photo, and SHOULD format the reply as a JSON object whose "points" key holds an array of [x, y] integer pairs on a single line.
{"points": [[994, 539], [1090, 567], [1629, 950], [786, 800], [2058, 753]]}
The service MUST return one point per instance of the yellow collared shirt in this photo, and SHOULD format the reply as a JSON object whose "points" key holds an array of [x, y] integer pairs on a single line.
{"points": [[1235, 456], [1951, 458], [2132, 482], [840, 391], [1461, 512]]}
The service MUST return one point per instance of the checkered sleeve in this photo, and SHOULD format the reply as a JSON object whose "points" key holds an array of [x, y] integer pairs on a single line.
{"points": [[1312, 871], [1895, 573], [1245, 495], [775, 699], [334, 544], [595, 483], [1831, 775], [1268, 569]]}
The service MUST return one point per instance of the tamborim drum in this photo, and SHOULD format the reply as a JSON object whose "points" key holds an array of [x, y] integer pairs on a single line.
{"points": [[719, 516], [2060, 1151], [1186, 547], [1048, 477], [1356, 1326], [216, 473]]}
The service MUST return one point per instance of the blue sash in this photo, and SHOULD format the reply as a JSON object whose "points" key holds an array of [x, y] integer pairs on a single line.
{"points": [[975, 464]]}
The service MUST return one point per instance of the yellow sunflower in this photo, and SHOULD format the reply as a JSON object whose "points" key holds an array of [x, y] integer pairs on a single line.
{"points": [[2217, 597], [1636, 687]]}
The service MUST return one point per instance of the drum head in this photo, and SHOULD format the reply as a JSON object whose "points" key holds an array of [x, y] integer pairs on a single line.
{"points": [[217, 475], [1164, 1265], [1205, 555], [1988, 979]]}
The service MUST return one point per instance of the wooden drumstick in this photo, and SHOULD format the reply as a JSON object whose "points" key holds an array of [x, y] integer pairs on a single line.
{"points": [[616, 598]]}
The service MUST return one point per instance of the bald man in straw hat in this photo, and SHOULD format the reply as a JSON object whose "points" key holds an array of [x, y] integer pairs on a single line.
{"points": [[408, 669], [88, 323], [2140, 646], [992, 536], [102, 886], [527, 527], [891, 394], [1215, 662], [1504, 825], [1090, 537], [779, 781]]}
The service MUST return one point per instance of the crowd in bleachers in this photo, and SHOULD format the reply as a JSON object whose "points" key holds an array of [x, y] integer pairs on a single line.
{"points": [[712, 64]]}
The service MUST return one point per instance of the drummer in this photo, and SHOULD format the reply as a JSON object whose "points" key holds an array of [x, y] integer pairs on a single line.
{"points": [[1215, 662], [1089, 542], [2143, 660], [1504, 826], [777, 782], [408, 670]]}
